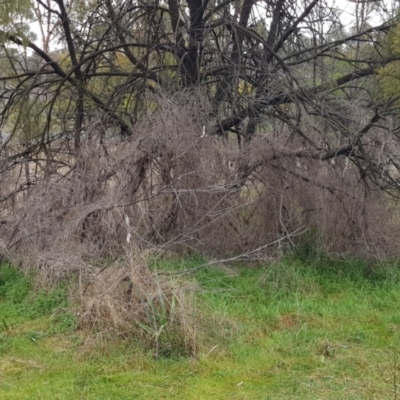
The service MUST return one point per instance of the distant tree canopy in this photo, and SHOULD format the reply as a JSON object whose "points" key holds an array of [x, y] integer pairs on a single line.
{"points": [[250, 58]]}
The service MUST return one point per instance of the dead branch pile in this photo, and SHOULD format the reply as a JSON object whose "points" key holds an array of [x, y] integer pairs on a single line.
{"points": [[174, 188]]}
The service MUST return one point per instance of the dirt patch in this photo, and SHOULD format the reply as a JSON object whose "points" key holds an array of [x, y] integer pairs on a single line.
{"points": [[288, 321]]}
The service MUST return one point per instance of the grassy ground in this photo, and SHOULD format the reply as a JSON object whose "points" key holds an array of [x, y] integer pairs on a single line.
{"points": [[303, 329]]}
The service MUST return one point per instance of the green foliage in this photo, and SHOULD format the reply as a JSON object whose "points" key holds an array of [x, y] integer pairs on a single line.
{"points": [[63, 322], [13, 17], [389, 75], [9, 9], [14, 287], [47, 301], [28, 119]]}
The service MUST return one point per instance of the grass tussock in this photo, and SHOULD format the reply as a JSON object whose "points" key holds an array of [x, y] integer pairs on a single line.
{"points": [[129, 301]]}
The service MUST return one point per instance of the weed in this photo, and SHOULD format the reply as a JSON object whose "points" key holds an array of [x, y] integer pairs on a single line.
{"points": [[47, 301], [63, 321]]}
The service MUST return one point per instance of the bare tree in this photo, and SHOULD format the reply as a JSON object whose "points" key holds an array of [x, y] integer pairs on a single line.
{"points": [[215, 125]]}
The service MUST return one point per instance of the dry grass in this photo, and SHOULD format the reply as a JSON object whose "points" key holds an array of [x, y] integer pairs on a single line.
{"points": [[128, 300]]}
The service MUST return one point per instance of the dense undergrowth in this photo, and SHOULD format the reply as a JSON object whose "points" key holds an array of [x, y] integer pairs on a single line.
{"points": [[309, 327]]}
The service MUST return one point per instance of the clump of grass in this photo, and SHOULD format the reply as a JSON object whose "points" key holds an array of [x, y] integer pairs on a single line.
{"points": [[130, 301]]}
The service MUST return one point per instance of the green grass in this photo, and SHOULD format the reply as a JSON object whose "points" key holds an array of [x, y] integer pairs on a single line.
{"points": [[307, 328]]}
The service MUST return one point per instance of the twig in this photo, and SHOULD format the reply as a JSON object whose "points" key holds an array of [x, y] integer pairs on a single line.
{"points": [[104, 268], [236, 258]]}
